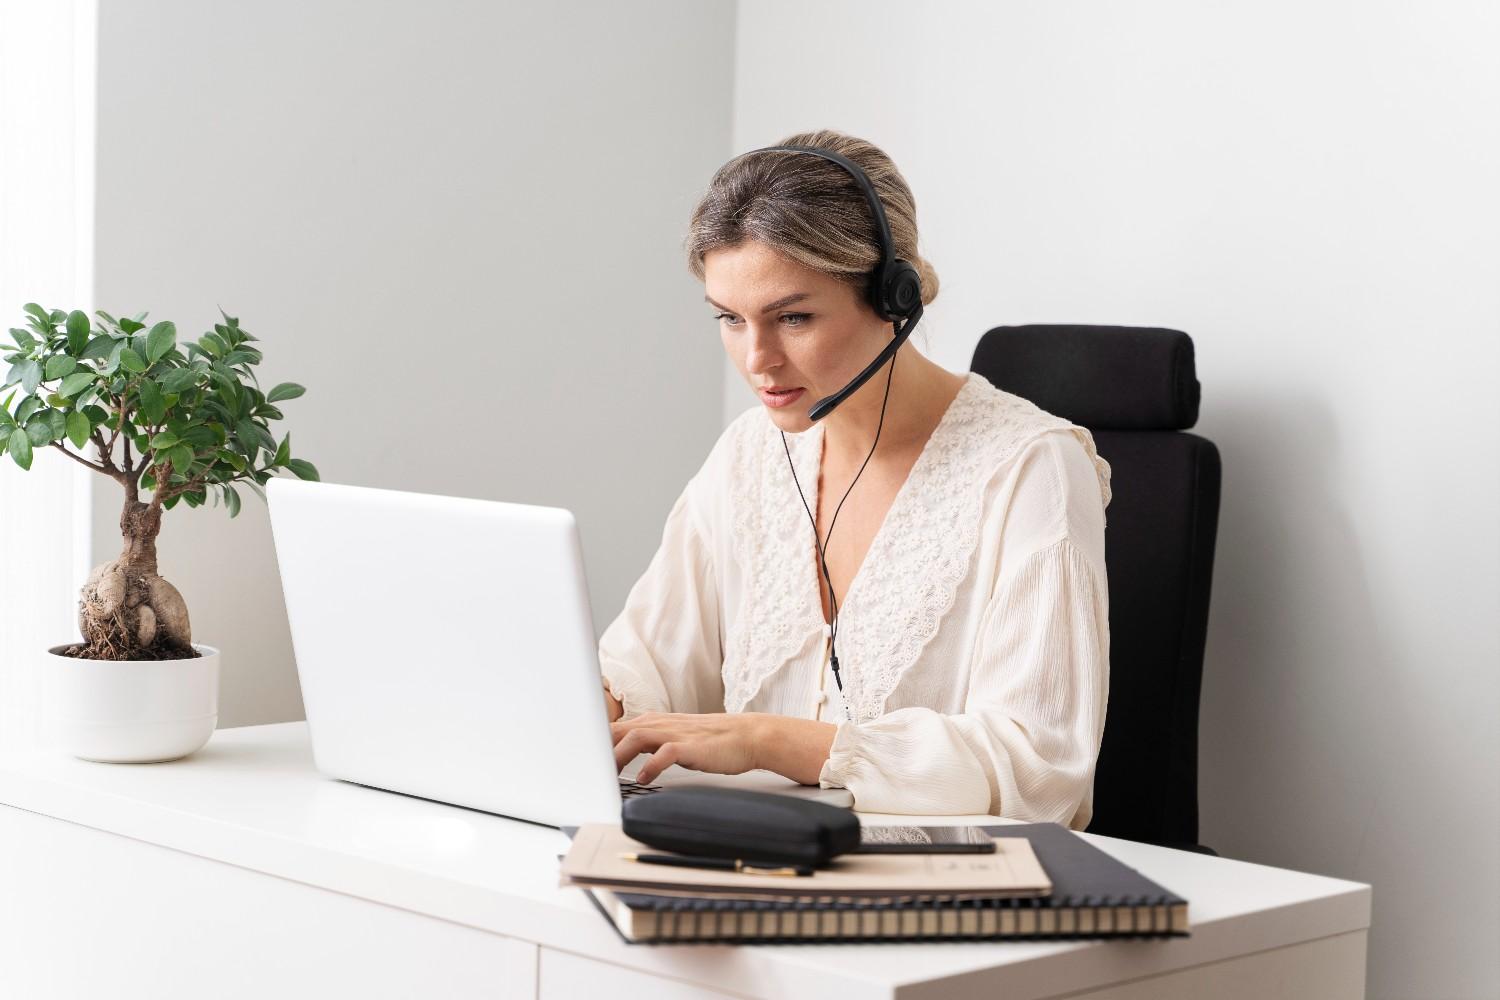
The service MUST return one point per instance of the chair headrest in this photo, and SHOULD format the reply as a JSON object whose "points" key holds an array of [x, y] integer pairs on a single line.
{"points": [[1100, 377]]}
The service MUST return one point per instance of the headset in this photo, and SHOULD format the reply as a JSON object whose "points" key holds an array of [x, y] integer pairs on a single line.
{"points": [[895, 294], [895, 288]]}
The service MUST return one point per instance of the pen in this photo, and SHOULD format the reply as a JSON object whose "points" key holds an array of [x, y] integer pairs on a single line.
{"points": [[720, 864]]}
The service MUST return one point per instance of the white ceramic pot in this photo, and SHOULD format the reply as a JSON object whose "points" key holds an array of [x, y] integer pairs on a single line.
{"points": [[133, 711]]}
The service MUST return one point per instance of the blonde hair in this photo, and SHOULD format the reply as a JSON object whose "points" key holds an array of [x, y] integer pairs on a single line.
{"points": [[811, 210]]}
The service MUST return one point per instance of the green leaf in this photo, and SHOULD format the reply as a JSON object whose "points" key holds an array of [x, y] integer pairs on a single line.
{"points": [[59, 365], [39, 431], [75, 383], [286, 390], [131, 361], [179, 380], [304, 469], [78, 429], [37, 311], [163, 441], [132, 325], [78, 331], [245, 431], [28, 406], [59, 423], [99, 347], [24, 340], [232, 501], [213, 344], [181, 458], [169, 504], [229, 386], [161, 339], [153, 407], [283, 451], [96, 414], [20, 448], [31, 376], [199, 436], [236, 461]]}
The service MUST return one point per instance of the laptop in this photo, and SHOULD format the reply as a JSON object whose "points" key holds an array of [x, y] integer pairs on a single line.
{"points": [[445, 649]]}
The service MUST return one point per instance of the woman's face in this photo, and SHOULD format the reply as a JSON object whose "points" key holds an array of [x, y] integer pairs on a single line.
{"points": [[786, 326]]}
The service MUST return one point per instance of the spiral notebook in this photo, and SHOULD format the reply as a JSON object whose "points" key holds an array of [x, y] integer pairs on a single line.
{"points": [[1093, 896]]}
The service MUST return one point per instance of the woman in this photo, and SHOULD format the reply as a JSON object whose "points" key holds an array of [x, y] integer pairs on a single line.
{"points": [[968, 610]]}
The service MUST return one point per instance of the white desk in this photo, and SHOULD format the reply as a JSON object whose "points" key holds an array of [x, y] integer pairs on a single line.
{"points": [[241, 872]]}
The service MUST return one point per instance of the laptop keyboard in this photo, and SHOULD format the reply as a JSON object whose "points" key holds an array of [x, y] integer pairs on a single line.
{"points": [[629, 788]]}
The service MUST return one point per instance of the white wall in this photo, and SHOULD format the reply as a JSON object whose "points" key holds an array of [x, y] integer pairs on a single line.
{"points": [[46, 255], [459, 225], [1309, 190]]}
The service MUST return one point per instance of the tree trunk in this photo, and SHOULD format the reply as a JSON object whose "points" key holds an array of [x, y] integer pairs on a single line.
{"points": [[125, 610]]}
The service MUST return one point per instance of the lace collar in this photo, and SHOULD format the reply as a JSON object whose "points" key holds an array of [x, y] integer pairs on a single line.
{"points": [[910, 575]]}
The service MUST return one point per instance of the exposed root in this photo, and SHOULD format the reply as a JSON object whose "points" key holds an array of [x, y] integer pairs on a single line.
{"points": [[126, 613]]}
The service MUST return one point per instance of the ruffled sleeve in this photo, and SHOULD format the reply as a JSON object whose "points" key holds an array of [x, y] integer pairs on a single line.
{"points": [[663, 653], [1027, 740]]}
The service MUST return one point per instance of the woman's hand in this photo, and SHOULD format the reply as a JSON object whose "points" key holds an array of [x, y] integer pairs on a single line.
{"points": [[719, 742], [724, 743], [612, 706]]}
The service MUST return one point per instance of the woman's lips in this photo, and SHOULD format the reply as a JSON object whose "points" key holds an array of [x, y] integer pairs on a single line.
{"points": [[780, 399]]}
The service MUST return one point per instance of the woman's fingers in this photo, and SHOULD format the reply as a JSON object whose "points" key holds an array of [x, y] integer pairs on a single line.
{"points": [[664, 758], [635, 742], [676, 722], [714, 742]]}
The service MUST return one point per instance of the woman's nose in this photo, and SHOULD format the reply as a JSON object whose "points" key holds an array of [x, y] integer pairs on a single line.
{"points": [[762, 352]]}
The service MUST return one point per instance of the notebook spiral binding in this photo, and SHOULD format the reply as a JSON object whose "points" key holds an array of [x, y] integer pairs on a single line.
{"points": [[939, 918]]}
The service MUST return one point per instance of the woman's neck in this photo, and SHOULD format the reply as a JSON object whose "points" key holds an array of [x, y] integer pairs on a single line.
{"points": [[920, 394]]}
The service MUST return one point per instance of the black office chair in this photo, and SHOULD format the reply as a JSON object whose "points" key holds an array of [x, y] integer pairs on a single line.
{"points": [[1136, 390]]}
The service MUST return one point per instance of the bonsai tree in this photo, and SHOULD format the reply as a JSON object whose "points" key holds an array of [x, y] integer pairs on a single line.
{"points": [[185, 423]]}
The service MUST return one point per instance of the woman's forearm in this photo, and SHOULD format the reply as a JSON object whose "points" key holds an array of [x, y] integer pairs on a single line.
{"points": [[796, 748]]}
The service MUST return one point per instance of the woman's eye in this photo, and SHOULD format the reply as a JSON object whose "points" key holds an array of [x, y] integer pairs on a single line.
{"points": [[791, 319]]}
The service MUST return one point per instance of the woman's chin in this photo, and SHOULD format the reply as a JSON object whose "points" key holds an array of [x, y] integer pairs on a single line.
{"points": [[791, 419]]}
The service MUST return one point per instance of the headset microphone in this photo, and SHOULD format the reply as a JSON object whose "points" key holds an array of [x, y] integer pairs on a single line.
{"points": [[895, 294], [825, 405]]}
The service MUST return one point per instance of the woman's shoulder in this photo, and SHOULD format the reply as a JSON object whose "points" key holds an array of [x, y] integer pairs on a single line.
{"points": [[1002, 430]]}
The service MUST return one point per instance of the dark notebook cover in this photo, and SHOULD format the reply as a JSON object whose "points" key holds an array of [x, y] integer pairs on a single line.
{"points": [[1093, 896], [1082, 874]]}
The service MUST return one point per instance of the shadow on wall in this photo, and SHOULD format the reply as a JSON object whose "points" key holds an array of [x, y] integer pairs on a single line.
{"points": [[1300, 693]]}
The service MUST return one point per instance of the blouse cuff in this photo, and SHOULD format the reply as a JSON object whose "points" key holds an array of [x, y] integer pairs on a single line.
{"points": [[843, 757], [633, 695]]}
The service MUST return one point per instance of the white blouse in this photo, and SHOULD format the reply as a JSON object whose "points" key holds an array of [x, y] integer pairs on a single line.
{"points": [[973, 641]]}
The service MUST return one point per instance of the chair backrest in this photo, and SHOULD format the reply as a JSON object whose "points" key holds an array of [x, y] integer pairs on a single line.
{"points": [[1136, 390]]}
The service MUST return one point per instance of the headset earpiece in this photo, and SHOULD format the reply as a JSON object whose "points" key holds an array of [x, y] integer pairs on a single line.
{"points": [[896, 289]]}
